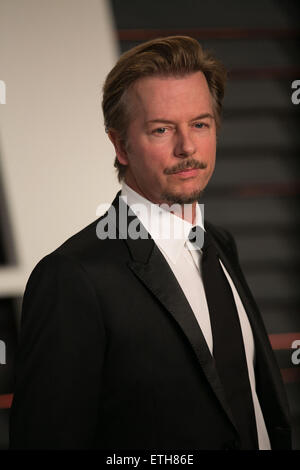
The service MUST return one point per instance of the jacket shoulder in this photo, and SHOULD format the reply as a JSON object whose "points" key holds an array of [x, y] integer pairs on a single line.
{"points": [[87, 244]]}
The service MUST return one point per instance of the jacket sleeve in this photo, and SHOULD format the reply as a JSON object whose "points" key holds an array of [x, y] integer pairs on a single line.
{"points": [[59, 360]]}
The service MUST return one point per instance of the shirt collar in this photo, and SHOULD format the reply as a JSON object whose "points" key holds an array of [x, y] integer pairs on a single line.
{"points": [[169, 231]]}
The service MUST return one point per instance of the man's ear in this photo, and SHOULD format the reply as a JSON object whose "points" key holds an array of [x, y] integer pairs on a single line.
{"points": [[119, 145]]}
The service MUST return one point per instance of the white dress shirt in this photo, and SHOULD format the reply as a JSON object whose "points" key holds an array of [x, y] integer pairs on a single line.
{"points": [[170, 233]]}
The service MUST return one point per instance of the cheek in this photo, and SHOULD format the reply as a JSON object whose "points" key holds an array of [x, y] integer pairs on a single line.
{"points": [[212, 160], [153, 157], [209, 149], [146, 165]]}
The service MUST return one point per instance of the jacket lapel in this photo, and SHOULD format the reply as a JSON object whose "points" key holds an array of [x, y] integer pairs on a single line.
{"points": [[151, 268]]}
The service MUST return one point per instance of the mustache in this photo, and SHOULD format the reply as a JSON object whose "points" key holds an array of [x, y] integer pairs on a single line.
{"points": [[185, 165]]}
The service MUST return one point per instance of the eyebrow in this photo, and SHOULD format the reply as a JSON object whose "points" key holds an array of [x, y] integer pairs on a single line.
{"points": [[167, 121]]}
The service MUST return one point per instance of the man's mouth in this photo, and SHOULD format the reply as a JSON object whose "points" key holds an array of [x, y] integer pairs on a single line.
{"points": [[187, 172]]}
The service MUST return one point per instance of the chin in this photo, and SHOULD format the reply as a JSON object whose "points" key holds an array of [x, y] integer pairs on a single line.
{"points": [[182, 198]]}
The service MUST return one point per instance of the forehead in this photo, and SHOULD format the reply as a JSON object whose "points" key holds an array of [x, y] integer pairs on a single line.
{"points": [[168, 97]]}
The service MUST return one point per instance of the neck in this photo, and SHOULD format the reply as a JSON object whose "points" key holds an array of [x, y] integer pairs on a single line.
{"points": [[186, 212]]}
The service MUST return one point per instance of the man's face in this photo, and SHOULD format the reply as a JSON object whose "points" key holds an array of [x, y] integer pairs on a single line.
{"points": [[171, 140]]}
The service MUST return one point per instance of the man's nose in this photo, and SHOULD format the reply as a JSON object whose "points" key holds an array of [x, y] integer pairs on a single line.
{"points": [[184, 145]]}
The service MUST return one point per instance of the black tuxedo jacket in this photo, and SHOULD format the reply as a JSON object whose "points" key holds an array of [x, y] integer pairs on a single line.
{"points": [[112, 357]]}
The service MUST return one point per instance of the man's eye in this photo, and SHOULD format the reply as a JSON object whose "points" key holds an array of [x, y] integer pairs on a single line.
{"points": [[200, 125], [160, 130]]}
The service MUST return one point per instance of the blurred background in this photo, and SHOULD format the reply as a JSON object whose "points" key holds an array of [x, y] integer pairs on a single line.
{"points": [[56, 165]]}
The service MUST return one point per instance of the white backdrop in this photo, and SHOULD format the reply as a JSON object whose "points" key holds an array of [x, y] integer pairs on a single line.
{"points": [[55, 159]]}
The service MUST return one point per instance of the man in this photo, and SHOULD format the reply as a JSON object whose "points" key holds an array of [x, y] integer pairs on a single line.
{"points": [[135, 340]]}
